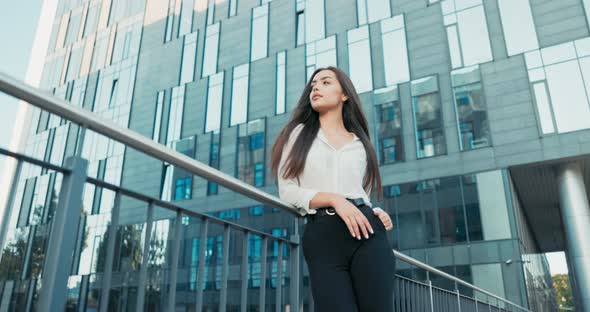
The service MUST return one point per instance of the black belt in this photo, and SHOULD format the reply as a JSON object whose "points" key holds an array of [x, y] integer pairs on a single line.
{"points": [[330, 211]]}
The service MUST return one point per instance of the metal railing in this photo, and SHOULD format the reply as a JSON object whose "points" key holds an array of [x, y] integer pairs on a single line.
{"points": [[409, 295]]}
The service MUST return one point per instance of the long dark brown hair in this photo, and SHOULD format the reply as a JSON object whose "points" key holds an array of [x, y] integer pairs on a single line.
{"points": [[354, 121]]}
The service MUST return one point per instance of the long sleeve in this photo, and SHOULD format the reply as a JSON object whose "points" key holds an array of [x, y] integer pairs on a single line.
{"points": [[289, 189]]}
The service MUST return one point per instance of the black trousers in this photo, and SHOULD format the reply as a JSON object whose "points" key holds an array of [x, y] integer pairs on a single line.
{"points": [[348, 274]]}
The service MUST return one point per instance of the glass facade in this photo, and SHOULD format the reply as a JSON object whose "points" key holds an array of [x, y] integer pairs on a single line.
{"points": [[359, 55], [395, 50], [259, 39], [239, 94]]}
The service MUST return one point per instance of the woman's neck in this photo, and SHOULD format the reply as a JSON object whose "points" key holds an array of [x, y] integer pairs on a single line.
{"points": [[332, 122]]}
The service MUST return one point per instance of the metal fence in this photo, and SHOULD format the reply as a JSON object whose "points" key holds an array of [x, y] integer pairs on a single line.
{"points": [[153, 274]]}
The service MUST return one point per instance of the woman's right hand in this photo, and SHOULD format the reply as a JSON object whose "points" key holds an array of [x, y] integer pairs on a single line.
{"points": [[355, 220]]}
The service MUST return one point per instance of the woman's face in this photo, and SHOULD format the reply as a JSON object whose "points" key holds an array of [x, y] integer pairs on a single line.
{"points": [[326, 91]]}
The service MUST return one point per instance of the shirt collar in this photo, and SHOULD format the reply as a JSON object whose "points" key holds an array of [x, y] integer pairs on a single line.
{"points": [[322, 137]]}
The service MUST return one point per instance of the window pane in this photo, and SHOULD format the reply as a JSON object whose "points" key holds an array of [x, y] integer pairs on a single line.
{"points": [[281, 83], [454, 48], [239, 103], [214, 101], [175, 115], [359, 55], [300, 28], [211, 50], [544, 108], [474, 36], [378, 10], [251, 146], [158, 117], [189, 52], [493, 206], [389, 128], [450, 210], [186, 17], [518, 25], [568, 96], [321, 53], [233, 7], [259, 39], [427, 118], [315, 23], [395, 51], [470, 109]]}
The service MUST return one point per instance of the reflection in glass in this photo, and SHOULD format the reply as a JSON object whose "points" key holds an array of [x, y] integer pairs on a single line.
{"points": [[251, 150], [259, 33], [239, 95], [434, 212], [359, 56], [214, 155], [389, 127], [395, 51], [430, 139], [470, 108]]}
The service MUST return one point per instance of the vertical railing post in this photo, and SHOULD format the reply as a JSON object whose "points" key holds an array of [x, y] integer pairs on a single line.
{"points": [[174, 261], [108, 266], [144, 259], [476, 304], [8, 208], [244, 274], [458, 299], [262, 299], [58, 260], [279, 288], [201, 269], [224, 270], [295, 266], [431, 295]]}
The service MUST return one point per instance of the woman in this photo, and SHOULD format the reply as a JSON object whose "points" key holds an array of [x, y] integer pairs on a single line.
{"points": [[325, 164]]}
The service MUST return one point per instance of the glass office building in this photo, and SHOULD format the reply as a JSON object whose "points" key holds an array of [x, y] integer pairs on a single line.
{"points": [[466, 101]]}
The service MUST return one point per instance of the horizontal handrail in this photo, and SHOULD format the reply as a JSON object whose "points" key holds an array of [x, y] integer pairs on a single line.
{"points": [[86, 119], [130, 138], [434, 270]]}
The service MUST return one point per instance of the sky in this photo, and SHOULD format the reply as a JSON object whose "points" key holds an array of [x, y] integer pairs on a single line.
{"points": [[18, 23]]}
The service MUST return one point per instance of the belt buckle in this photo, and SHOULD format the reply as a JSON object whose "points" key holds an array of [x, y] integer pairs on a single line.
{"points": [[331, 211]]}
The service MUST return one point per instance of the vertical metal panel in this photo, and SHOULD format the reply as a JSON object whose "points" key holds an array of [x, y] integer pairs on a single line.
{"points": [[295, 260]]}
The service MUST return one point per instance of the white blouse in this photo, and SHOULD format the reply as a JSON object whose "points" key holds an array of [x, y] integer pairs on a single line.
{"points": [[326, 170]]}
